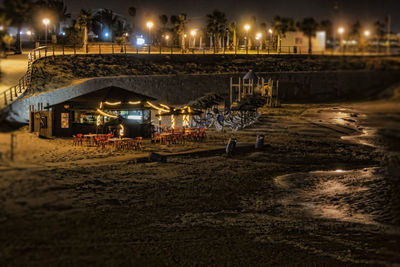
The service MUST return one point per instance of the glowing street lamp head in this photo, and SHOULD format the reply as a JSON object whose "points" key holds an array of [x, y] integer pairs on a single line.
{"points": [[270, 31], [46, 21], [166, 37], [106, 34], [247, 27], [193, 33], [150, 24], [1, 27], [341, 30], [185, 35], [29, 33], [258, 36], [367, 33]]}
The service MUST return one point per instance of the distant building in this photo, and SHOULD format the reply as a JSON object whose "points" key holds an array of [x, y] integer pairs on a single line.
{"points": [[298, 42]]}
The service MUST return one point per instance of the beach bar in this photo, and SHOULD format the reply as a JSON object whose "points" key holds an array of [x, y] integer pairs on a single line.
{"points": [[107, 110]]}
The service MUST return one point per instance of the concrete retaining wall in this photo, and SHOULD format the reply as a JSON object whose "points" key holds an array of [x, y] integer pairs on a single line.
{"points": [[180, 89]]}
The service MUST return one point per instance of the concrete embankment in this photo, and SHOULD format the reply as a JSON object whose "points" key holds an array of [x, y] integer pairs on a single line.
{"points": [[180, 89]]}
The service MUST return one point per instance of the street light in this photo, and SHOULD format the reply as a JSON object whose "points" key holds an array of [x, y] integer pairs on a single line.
{"points": [[193, 33], [367, 33], [46, 21], [341, 31], [150, 25], [247, 28]]}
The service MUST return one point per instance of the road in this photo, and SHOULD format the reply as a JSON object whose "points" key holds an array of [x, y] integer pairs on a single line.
{"points": [[12, 69]]}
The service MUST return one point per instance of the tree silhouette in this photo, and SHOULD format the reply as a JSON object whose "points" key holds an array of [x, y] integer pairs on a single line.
{"points": [[309, 27], [18, 12], [179, 22], [216, 26], [280, 26], [84, 22], [132, 14]]}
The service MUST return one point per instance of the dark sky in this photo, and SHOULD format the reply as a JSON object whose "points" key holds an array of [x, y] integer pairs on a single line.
{"points": [[367, 11]]}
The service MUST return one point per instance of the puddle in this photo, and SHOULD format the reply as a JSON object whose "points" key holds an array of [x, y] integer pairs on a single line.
{"points": [[344, 195]]}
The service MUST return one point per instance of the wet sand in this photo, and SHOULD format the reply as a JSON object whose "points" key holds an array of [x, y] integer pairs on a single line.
{"points": [[323, 191]]}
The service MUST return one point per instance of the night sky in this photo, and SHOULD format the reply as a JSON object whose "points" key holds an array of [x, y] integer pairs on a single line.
{"points": [[367, 11]]}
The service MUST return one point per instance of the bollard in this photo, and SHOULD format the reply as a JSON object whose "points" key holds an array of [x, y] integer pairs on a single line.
{"points": [[230, 147], [259, 141]]}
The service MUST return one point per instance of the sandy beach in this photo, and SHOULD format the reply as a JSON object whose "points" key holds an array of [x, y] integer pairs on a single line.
{"points": [[323, 191]]}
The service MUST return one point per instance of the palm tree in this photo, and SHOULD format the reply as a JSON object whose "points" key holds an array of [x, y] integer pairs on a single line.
{"points": [[309, 27], [84, 22], [18, 12], [106, 17], [164, 21], [216, 26], [263, 28], [4, 36], [132, 13], [326, 26], [179, 22], [233, 29], [379, 31], [280, 26], [355, 32], [60, 10]]}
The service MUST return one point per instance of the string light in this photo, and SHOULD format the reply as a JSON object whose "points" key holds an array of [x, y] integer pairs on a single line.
{"points": [[101, 105], [98, 122], [172, 121], [122, 130], [158, 108], [105, 114], [134, 102], [112, 103], [165, 106], [159, 115]]}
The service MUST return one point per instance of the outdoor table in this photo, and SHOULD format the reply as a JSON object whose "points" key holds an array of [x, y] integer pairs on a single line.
{"points": [[92, 138], [116, 141], [164, 137]]}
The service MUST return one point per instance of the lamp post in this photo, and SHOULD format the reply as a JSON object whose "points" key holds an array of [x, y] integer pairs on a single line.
{"points": [[193, 33], [149, 26], [46, 22], [367, 33], [341, 31], [247, 28], [259, 38], [167, 39]]}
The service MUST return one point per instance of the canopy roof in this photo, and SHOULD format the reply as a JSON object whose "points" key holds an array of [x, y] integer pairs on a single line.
{"points": [[250, 76], [111, 94]]}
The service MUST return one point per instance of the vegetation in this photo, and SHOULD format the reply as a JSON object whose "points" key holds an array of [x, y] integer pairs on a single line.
{"points": [[309, 27], [217, 32], [216, 27]]}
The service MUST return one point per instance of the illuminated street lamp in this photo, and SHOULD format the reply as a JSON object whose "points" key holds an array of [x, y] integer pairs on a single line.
{"points": [[341, 31], [247, 28], [367, 33], [149, 26], [46, 22], [193, 33]]}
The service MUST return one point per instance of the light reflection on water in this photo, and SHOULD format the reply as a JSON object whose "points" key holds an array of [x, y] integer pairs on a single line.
{"points": [[334, 194]]}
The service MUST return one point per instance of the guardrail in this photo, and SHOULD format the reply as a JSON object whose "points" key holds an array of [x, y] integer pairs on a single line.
{"points": [[17, 91]]}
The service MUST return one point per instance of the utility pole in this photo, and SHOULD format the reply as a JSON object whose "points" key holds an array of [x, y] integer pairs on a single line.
{"points": [[388, 34]]}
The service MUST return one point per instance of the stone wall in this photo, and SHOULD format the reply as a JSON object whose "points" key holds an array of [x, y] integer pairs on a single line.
{"points": [[180, 89]]}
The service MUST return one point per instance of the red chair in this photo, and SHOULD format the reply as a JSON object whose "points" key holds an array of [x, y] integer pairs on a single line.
{"points": [[138, 143]]}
